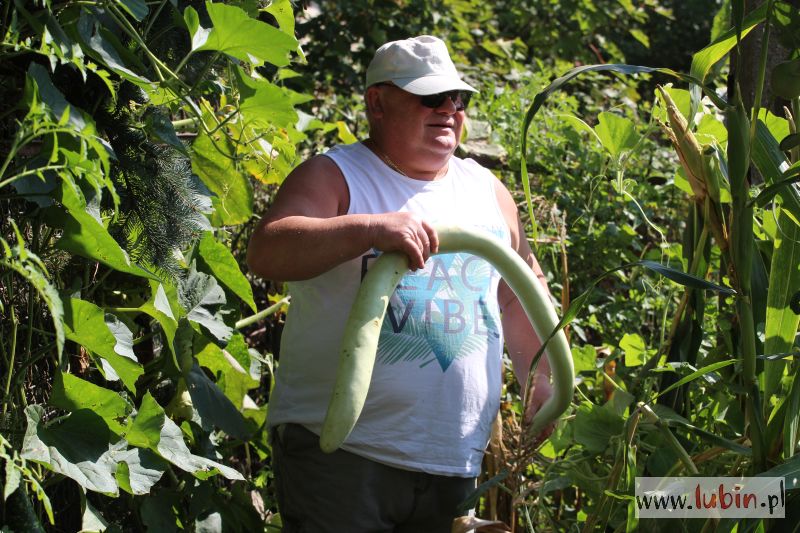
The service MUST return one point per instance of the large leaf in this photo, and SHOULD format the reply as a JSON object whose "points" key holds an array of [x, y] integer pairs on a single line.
{"points": [[72, 393], [86, 324], [237, 35], [706, 58], [76, 447], [594, 426], [780, 329], [85, 236], [617, 133], [771, 162], [152, 429], [159, 307], [138, 469], [213, 407], [215, 162], [220, 261], [227, 368], [265, 104], [202, 298]]}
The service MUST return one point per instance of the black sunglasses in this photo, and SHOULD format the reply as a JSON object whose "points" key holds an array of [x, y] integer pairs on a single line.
{"points": [[459, 98]]}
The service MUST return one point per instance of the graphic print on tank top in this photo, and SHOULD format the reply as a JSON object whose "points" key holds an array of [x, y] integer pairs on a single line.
{"points": [[440, 313]]}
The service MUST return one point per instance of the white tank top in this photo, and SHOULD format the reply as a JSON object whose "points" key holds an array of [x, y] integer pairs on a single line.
{"points": [[435, 388]]}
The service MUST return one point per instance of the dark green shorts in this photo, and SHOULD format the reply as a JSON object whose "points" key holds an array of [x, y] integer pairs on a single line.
{"points": [[345, 493]]}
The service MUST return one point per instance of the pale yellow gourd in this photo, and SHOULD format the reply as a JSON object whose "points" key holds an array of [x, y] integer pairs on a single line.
{"points": [[360, 342]]}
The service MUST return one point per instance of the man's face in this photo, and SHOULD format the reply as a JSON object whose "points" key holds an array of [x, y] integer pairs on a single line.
{"points": [[429, 135]]}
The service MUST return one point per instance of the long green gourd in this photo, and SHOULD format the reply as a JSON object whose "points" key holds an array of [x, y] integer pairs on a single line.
{"points": [[363, 327]]}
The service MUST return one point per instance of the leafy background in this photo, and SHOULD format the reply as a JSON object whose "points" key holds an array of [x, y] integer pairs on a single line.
{"points": [[142, 141]]}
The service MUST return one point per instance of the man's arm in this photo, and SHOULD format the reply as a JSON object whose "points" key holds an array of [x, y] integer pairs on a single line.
{"points": [[307, 230], [521, 339]]}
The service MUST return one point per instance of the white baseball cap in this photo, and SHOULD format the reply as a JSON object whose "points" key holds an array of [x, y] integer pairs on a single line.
{"points": [[419, 65]]}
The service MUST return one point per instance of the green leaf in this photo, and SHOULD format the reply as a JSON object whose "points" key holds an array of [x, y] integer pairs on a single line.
{"points": [[72, 393], [265, 104], [584, 358], [771, 161], [790, 141], [244, 38], [33, 271], [91, 519], [54, 101], [781, 324], [682, 278], [138, 469], [158, 306], [696, 374], [225, 268], [228, 369], [137, 8], [202, 297], [634, 348], [144, 430], [214, 162], [213, 407], [85, 236], [85, 323], [152, 429], [282, 11], [640, 36], [594, 427], [617, 133], [77, 447], [706, 58]]}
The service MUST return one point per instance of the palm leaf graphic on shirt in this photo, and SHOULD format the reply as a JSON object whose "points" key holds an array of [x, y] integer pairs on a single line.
{"points": [[409, 335]]}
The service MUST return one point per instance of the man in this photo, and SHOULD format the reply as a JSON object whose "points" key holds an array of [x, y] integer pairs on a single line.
{"points": [[416, 450]]}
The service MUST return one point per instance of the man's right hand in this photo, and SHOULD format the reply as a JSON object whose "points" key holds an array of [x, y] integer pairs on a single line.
{"points": [[404, 232]]}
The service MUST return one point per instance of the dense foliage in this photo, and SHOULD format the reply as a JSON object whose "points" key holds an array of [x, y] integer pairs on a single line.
{"points": [[141, 141]]}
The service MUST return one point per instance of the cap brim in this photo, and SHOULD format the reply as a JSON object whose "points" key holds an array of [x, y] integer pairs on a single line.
{"points": [[432, 85]]}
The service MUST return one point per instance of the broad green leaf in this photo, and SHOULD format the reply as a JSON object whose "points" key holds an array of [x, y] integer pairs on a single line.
{"points": [[265, 104], [594, 426], [201, 297], [91, 519], [634, 348], [144, 430], [790, 470], [231, 375], [213, 407], [617, 133], [76, 447], [54, 101], [282, 11], [137, 8], [158, 306], [584, 358], [220, 261], [85, 236], [138, 469], [160, 511], [152, 429], [72, 393], [85, 323], [215, 162], [105, 52], [791, 419], [237, 35]]}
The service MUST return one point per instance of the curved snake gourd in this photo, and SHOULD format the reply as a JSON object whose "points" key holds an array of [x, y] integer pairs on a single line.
{"points": [[363, 327]]}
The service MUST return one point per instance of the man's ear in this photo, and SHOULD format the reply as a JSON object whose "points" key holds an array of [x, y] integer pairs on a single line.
{"points": [[374, 102]]}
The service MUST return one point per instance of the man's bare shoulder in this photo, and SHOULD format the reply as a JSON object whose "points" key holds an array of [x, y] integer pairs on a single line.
{"points": [[316, 187]]}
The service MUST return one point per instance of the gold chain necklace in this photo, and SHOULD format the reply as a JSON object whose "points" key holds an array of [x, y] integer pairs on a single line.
{"points": [[386, 159]]}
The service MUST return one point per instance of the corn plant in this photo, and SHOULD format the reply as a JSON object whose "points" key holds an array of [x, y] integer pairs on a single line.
{"points": [[718, 394]]}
